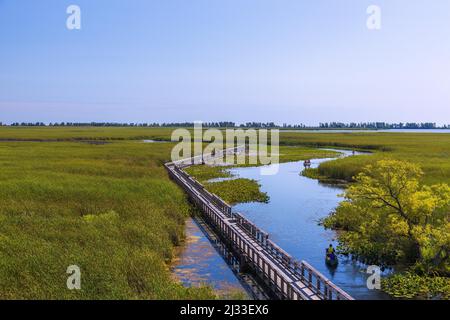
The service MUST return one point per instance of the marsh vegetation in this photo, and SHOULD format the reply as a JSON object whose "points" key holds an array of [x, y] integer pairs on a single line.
{"points": [[220, 181], [109, 208], [101, 199]]}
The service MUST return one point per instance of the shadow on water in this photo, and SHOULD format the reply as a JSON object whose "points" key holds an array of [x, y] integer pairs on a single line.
{"points": [[205, 259]]}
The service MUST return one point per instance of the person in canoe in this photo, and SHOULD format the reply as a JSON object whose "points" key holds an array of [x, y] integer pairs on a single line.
{"points": [[331, 258], [307, 163]]}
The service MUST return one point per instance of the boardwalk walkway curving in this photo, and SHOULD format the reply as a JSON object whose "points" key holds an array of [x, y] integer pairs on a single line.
{"points": [[286, 277]]}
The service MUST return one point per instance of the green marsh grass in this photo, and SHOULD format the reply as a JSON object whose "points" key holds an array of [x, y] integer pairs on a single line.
{"points": [[430, 150], [246, 190], [110, 209], [238, 191]]}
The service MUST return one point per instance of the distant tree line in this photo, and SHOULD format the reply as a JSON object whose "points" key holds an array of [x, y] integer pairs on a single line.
{"points": [[229, 124], [381, 125], [119, 124]]}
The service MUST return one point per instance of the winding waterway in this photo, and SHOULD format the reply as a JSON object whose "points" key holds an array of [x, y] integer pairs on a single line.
{"points": [[291, 218]]}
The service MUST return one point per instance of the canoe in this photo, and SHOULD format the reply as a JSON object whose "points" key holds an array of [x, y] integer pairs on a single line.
{"points": [[331, 262]]}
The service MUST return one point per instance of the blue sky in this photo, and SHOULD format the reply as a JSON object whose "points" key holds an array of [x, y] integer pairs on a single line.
{"points": [[287, 61]]}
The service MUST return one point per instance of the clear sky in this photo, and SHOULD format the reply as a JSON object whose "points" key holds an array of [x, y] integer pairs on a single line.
{"points": [[292, 61]]}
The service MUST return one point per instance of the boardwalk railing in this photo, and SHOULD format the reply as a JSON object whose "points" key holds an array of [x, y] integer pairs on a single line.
{"points": [[286, 277]]}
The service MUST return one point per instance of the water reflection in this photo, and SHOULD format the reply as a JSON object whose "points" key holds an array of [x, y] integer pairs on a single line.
{"points": [[199, 263], [205, 259], [291, 217]]}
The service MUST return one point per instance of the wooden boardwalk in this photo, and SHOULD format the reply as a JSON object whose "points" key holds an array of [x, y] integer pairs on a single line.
{"points": [[287, 278]]}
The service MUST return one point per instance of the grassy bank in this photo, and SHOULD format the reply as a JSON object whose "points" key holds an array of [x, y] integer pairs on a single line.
{"points": [[110, 209], [232, 191], [429, 150], [246, 190], [83, 133]]}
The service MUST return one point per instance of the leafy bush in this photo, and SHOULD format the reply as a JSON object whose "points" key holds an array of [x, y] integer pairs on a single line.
{"points": [[411, 285], [389, 217]]}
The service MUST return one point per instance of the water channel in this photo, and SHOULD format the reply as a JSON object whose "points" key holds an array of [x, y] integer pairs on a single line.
{"points": [[291, 218]]}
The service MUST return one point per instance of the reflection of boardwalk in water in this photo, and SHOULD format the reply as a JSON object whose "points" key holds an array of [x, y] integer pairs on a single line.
{"points": [[204, 259], [199, 262]]}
